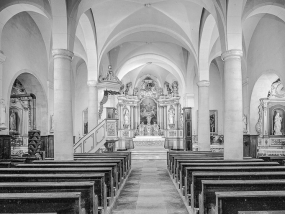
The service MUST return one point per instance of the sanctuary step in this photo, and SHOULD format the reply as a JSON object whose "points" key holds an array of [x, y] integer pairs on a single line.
{"points": [[149, 147], [149, 155]]}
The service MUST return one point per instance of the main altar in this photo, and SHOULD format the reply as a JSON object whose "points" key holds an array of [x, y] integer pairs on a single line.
{"points": [[148, 117]]}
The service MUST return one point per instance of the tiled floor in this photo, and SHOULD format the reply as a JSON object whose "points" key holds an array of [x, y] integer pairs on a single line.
{"points": [[149, 190]]}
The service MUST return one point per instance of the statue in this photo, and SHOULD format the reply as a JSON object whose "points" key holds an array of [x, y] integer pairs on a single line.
{"points": [[13, 121], [171, 115], [148, 129], [126, 118], [128, 85], [167, 85], [52, 123], [2, 115], [155, 129], [141, 129], [277, 124], [244, 120], [136, 91], [175, 88]]}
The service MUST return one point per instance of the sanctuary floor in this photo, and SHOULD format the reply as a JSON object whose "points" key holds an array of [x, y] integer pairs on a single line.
{"points": [[149, 190]]}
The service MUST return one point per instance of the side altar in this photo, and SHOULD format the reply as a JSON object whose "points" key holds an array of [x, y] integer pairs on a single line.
{"points": [[150, 117], [271, 123]]}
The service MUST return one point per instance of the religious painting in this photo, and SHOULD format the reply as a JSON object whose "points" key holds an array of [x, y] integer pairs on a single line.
{"points": [[213, 121], [85, 121], [148, 111], [277, 115]]}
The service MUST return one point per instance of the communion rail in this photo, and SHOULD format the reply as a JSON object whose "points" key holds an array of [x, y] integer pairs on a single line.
{"points": [[105, 134]]}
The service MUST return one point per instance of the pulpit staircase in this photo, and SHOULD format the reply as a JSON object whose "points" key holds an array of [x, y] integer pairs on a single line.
{"points": [[102, 137]]}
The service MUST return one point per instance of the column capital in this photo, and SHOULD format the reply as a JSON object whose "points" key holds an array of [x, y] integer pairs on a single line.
{"points": [[234, 53], [92, 83], [62, 53], [2, 57], [203, 83]]}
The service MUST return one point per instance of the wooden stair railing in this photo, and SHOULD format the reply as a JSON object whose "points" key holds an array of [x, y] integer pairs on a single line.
{"points": [[104, 132]]}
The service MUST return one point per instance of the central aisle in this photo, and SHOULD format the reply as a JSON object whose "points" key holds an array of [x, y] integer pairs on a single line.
{"points": [[149, 190]]}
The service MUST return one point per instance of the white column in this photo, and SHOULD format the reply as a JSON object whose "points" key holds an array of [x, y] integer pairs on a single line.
{"points": [[92, 104], [132, 117], [165, 116], [161, 117], [3, 125], [233, 125], [203, 116], [63, 130]]}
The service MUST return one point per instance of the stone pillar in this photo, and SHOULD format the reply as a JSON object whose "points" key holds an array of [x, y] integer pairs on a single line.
{"points": [[165, 117], [203, 116], [92, 105], [3, 125], [233, 125], [63, 131]]}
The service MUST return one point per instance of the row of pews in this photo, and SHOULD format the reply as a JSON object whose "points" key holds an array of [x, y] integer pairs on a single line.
{"points": [[89, 184], [209, 184]]}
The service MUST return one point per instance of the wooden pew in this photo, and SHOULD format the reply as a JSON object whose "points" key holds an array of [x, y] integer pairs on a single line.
{"points": [[89, 201], [124, 164], [207, 198], [125, 155], [186, 159], [97, 178], [191, 170], [172, 158], [93, 161], [107, 171], [57, 202], [180, 169], [238, 202], [76, 165], [197, 177], [177, 153]]}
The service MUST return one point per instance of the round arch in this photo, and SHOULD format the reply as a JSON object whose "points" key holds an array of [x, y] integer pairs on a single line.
{"points": [[34, 85], [204, 49], [15, 8], [143, 58], [115, 40]]}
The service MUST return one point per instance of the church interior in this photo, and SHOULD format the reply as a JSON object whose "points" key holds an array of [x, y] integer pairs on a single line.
{"points": [[142, 106]]}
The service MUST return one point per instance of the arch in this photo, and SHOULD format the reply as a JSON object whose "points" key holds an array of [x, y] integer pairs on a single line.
{"points": [[268, 6], [260, 90], [15, 8], [63, 25], [138, 80], [204, 49], [141, 28], [91, 47], [33, 85], [138, 60]]}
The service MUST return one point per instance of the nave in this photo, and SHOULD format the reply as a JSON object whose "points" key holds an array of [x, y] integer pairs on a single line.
{"points": [[150, 190]]}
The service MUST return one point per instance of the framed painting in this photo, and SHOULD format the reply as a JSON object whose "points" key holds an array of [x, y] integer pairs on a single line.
{"points": [[214, 121], [85, 121]]}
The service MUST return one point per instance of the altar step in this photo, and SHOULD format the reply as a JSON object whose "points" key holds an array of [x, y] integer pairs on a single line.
{"points": [[148, 155]]}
